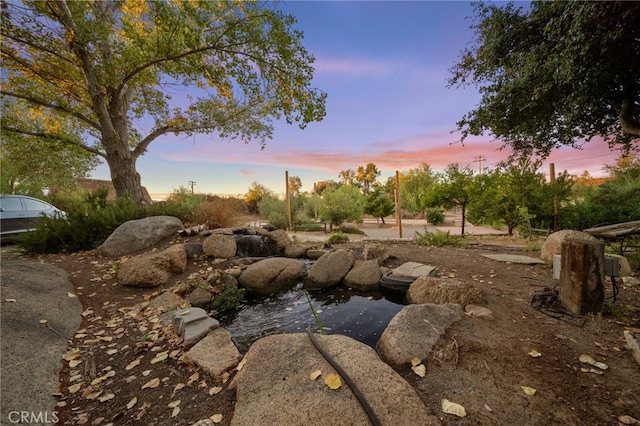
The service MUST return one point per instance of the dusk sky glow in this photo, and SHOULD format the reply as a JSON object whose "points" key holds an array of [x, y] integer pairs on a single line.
{"points": [[384, 66]]}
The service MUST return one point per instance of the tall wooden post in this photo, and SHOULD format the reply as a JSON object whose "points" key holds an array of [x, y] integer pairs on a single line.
{"points": [[315, 202], [398, 204], [581, 287], [552, 181], [287, 200]]}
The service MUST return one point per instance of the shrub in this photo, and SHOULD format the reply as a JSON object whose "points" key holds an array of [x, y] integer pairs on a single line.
{"points": [[338, 237], [435, 215], [349, 230], [437, 239], [274, 211], [219, 212], [230, 298]]}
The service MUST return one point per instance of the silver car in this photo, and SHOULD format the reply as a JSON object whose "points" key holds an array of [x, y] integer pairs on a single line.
{"points": [[18, 214]]}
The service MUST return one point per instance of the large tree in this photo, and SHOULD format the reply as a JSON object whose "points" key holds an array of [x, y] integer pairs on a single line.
{"points": [[111, 67], [555, 73]]}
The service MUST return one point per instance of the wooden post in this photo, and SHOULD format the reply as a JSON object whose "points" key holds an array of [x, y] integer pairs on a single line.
{"points": [[398, 204], [315, 202], [581, 287], [287, 199], [552, 181]]}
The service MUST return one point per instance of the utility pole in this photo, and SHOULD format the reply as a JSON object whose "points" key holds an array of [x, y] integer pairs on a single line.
{"points": [[192, 183], [287, 199], [479, 159], [398, 204]]}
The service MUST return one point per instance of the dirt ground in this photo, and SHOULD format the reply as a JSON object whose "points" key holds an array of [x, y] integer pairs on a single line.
{"points": [[134, 371]]}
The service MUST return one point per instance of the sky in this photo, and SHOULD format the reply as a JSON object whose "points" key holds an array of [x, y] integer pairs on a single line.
{"points": [[384, 66]]}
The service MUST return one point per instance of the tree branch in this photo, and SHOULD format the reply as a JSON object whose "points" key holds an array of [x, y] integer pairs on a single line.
{"points": [[60, 138], [52, 106]]}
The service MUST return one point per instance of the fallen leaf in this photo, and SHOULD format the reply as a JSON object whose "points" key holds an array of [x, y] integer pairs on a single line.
{"points": [[112, 351], [106, 397], [10, 300], [529, 391], [131, 403], [160, 357], [132, 364], [152, 384], [589, 360], [449, 407], [333, 381], [178, 387], [216, 418], [215, 390], [241, 364], [71, 355], [175, 412], [534, 354], [71, 294], [628, 420], [74, 388], [415, 361], [43, 321], [486, 407], [184, 312], [74, 363], [174, 404], [315, 374], [94, 395], [420, 370]]}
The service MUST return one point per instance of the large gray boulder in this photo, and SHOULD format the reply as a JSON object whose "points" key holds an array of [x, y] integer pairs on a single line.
{"points": [[215, 353], [153, 269], [443, 290], [329, 270], [364, 275], [414, 331], [220, 246], [279, 239], [272, 275], [553, 243], [274, 386], [135, 236]]}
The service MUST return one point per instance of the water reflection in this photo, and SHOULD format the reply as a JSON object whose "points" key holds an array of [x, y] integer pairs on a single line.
{"points": [[341, 310]]}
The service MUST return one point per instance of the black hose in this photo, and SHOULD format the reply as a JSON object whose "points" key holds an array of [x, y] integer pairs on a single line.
{"points": [[356, 391]]}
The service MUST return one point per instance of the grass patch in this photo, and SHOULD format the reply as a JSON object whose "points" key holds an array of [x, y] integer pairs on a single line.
{"points": [[438, 239], [338, 237]]}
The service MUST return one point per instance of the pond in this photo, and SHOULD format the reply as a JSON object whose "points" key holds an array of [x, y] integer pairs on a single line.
{"points": [[360, 315]]}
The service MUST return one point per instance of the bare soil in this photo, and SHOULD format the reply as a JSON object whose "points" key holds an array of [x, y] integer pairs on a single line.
{"points": [[481, 364]]}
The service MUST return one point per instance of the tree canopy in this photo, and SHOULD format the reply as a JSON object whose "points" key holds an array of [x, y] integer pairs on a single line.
{"points": [[116, 74], [554, 74]]}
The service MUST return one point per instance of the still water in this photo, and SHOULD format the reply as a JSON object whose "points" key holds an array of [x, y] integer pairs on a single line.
{"points": [[360, 315]]}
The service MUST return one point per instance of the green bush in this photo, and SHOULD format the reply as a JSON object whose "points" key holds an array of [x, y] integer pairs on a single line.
{"points": [[274, 211], [435, 215], [338, 237], [349, 230], [231, 298], [437, 239], [91, 219]]}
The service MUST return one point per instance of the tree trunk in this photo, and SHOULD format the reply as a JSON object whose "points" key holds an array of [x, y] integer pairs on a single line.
{"points": [[464, 219], [125, 177]]}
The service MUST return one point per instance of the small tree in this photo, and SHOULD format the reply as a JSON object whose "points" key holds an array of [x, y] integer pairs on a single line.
{"points": [[254, 195], [341, 205], [454, 188], [379, 205]]}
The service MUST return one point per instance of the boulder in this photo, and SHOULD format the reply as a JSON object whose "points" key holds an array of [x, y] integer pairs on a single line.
{"points": [[297, 250], [167, 301], [364, 275], [376, 251], [329, 270], [279, 239], [200, 297], [443, 290], [220, 245], [153, 269], [215, 353], [272, 275], [193, 325], [316, 253], [414, 331], [251, 246], [135, 236], [274, 387], [553, 243]]}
